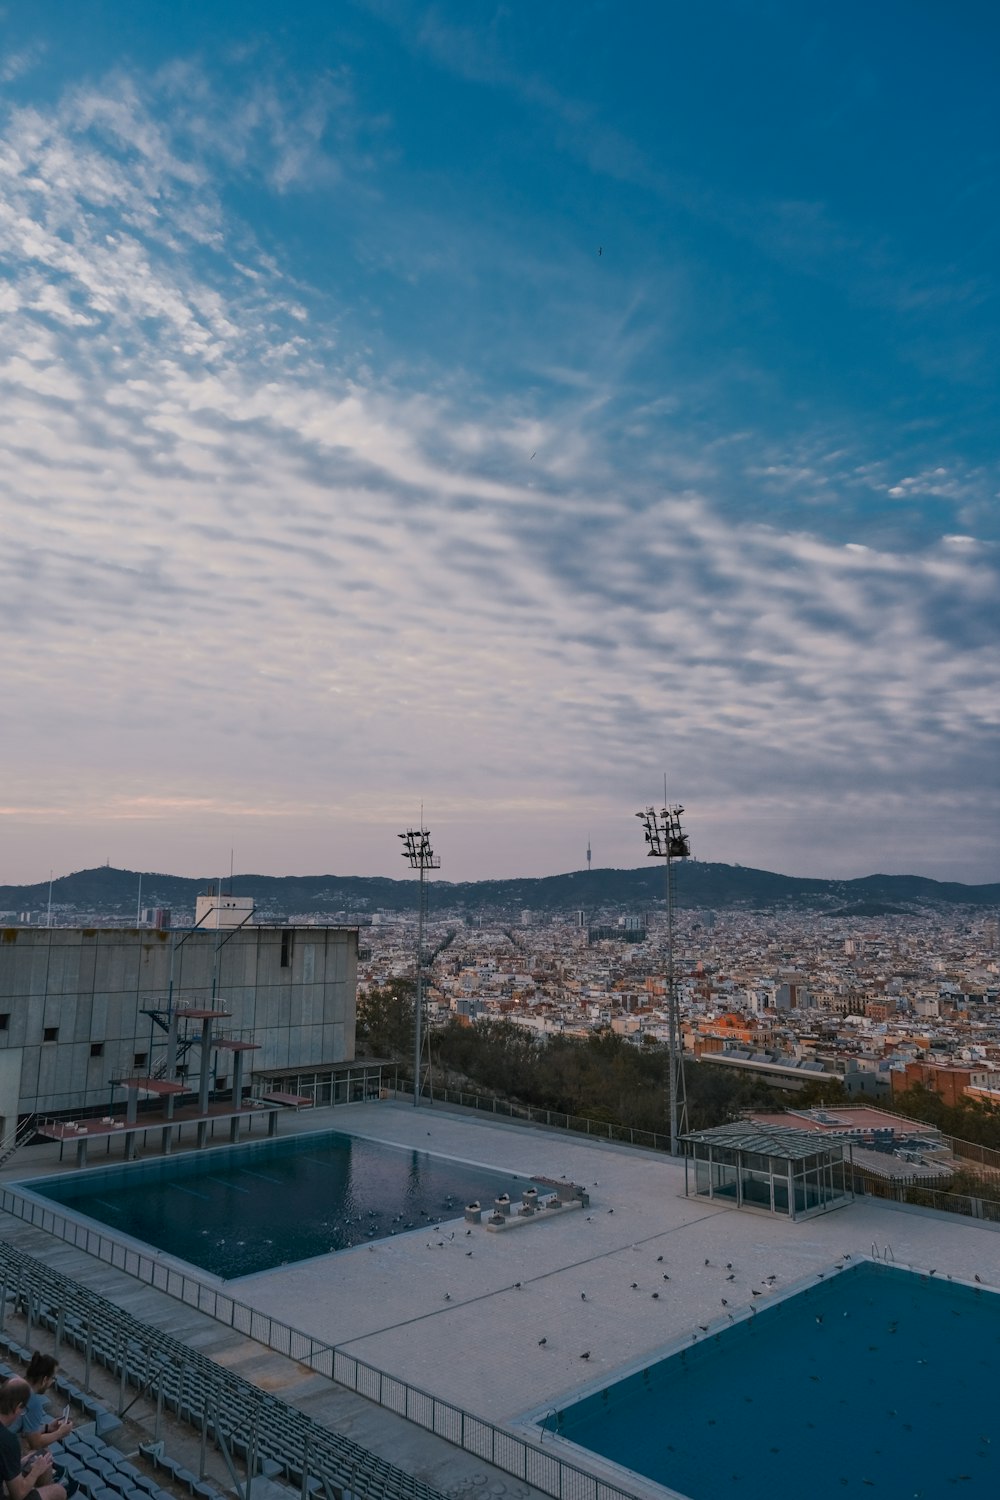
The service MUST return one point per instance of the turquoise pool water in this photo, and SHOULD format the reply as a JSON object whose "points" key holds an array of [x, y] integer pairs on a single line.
{"points": [[875, 1382], [249, 1208]]}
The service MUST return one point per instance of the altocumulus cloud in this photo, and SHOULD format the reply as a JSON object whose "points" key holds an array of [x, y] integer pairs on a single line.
{"points": [[239, 558]]}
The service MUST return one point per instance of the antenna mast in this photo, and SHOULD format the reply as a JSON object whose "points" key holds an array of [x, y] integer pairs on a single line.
{"points": [[667, 841], [417, 849]]}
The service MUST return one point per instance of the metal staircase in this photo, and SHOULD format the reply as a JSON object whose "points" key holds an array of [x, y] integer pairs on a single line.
{"points": [[17, 1138]]}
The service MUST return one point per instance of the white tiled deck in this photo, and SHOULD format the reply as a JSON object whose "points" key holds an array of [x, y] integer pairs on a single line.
{"points": [[386, 1303]]}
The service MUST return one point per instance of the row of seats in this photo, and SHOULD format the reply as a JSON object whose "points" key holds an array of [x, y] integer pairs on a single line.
{"points": [[251, 1425], [101, 1471]]}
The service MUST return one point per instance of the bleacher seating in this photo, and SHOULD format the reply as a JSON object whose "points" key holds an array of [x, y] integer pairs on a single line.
{"points": [[267, 1435]]}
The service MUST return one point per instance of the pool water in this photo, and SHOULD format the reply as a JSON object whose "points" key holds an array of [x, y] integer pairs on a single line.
{"points": [[249, 1208], [875, 1382]]}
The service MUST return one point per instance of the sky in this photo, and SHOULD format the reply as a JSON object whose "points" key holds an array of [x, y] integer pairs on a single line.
{"points": [[504, 411]]}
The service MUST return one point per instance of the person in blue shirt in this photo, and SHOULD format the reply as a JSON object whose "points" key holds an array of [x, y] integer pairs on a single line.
{"points": [[34, 1426]]}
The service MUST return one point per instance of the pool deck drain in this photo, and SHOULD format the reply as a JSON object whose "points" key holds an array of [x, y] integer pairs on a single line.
{"points": [[502, 1325]]}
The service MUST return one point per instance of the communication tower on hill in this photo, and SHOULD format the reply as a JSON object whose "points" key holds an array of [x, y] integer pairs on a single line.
{"points": [[588, 854]]}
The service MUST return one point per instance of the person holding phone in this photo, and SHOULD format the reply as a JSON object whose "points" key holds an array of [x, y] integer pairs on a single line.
{"points": [[35, 1428], [31, 1481]]}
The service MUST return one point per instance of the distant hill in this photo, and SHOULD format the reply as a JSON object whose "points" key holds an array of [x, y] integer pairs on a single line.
{"points": [[113, 893]]}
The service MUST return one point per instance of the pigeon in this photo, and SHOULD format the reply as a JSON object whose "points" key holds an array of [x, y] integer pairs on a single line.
{"points": [[658, 1259], [542, 1343], [585, 1354], [583, 1296]]}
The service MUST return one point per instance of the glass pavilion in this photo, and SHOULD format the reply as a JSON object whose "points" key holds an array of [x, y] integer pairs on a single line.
{"points": [[796, 1173]]}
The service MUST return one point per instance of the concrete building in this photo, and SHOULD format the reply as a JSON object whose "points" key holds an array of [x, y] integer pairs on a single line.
{"points": [[83, 1007]]}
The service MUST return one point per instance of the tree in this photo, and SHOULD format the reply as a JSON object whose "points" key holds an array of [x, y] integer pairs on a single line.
{"points": [[385, 1020]]}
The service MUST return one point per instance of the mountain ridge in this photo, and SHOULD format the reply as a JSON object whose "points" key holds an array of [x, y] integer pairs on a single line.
{"points": [[108, 891]]}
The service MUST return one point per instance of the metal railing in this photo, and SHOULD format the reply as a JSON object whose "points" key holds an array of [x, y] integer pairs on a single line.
{"points": [[488, 1441], [526, 1114], [914, 1192]]}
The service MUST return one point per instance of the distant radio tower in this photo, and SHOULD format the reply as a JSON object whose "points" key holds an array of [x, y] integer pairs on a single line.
{"points": [[588, 853]]}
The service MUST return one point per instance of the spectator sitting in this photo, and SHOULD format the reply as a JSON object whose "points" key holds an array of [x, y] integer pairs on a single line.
{"points": [[33, 1479], [34, 1428]]}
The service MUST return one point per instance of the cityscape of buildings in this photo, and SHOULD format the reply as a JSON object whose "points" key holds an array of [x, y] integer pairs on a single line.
{"points": [[876, 1003]]}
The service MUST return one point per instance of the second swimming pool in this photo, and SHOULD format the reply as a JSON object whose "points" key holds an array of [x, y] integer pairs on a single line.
{"points": [[876, 1381]]}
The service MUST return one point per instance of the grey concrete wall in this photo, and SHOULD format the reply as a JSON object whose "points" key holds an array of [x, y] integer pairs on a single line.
{"points": [[91, 987]]}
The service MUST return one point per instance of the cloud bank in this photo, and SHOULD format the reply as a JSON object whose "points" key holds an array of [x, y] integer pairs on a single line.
{"points": [[271, 579]]}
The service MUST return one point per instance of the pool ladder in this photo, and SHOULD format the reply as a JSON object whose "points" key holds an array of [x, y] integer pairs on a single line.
{"points": [[885, 1254]]}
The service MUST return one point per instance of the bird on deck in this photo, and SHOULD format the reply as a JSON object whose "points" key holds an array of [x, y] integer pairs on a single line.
{"points": [[585, 1354], [542, 1343]]}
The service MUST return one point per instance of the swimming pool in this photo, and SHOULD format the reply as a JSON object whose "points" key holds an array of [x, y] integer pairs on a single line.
{"points": [[873, 1382], [237, 1210]]}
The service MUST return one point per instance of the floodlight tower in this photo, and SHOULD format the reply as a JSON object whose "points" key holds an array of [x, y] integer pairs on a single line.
{"points": [[417, 849], [667, 841]]}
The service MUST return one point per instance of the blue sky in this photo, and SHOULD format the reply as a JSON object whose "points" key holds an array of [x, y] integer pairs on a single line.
{"points": [[498, 407]]}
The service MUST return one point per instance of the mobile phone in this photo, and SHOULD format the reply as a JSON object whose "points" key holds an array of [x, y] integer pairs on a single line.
{"points": [[65, 1413]]}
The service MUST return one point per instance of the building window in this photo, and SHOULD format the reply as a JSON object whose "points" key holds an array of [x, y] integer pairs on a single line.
{"points": [[4, 1020], [286, 950], [97, 1049], [50, 1034], [139, 1060]]}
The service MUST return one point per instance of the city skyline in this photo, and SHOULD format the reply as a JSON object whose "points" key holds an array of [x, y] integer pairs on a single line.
{"points": [[491, 417]]}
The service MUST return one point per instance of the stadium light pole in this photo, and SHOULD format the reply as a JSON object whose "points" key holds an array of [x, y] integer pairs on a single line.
{"points": [[417, 850], [666, 840]]}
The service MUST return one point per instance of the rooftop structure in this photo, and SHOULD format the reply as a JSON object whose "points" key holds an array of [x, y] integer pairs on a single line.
{"points": [[81, 1008]]}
